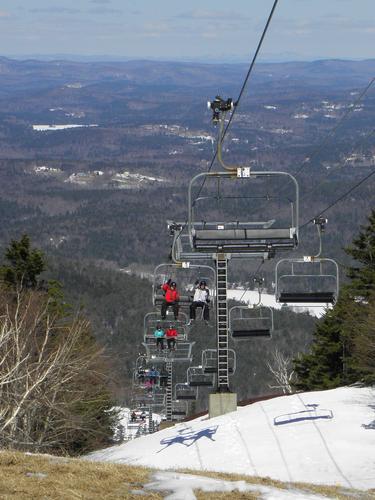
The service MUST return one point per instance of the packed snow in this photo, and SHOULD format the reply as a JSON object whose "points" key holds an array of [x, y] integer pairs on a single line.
{"points": [[325, 437], [252, 297], [43, 128]]}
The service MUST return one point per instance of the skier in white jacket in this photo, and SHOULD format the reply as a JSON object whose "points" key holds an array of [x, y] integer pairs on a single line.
{"points": [[201, 299]]}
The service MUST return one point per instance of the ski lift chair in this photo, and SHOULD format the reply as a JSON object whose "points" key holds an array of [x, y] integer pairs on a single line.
{"points": [[182, 353], [153, 318], [185, 275], [247, 322], [209, 361], [313, 280], [185, 392], [197, 378], [179, 410], [310, 279], [241, 235]]}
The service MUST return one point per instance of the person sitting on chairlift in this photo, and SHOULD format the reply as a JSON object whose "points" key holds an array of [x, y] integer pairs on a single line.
{"points": [[201, 299], [171, 298], [171, 335], [153, 375], [159, 335]]}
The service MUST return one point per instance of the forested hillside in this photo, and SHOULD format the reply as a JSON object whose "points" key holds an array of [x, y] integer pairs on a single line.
{"points": [[95, 157]]}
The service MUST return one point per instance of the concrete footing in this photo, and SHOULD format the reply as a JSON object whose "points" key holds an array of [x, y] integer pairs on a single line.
{"points": [[221, 403]]}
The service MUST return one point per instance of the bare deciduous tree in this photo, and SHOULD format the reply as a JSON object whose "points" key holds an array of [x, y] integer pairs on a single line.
{"points": [[51, 384], [281, 369]]}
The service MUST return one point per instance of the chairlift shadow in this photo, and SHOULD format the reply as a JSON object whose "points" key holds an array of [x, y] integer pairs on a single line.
{"points": [[188, 437]]}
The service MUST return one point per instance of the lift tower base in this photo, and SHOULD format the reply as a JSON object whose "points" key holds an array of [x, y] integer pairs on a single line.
{"points": [[221, 403]]}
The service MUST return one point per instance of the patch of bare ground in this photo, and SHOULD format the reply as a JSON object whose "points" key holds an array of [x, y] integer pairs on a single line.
{"points": [[47, 477]]}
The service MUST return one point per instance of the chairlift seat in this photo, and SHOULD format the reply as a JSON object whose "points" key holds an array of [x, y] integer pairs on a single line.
{"points": [[258, 239], [186, 397], [183, 300], [244, 234], [201, 383], [309, 297]]}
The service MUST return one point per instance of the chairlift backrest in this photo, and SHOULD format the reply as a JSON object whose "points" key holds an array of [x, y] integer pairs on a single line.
{"points": [[312, 280], [197, 378], [237, 232], [246, 322], [185, 392], [209, 361], [153, 318]]}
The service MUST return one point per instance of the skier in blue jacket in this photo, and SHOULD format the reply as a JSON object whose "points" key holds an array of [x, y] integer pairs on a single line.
{"points": [[159, 335]]}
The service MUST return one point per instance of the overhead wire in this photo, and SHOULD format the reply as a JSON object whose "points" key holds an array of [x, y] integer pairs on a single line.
{"points": [[331, 133], [333, 130], [340, 197], [254, 276], [358, 143], [265, 29]]}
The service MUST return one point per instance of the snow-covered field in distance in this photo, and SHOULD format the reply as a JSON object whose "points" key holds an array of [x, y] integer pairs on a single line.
{"points": [[324, 437], [252, 297], [43, 128]]}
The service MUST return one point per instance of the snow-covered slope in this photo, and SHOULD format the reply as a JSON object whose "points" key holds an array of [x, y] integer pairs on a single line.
{"points": [[252, 297], [325, 437]]}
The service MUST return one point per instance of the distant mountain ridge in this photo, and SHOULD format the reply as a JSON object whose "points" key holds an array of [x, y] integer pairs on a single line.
{"points": [[16, 74]]}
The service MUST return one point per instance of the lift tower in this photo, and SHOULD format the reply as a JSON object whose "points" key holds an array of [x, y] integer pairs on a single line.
{"points": [[233, 236]]}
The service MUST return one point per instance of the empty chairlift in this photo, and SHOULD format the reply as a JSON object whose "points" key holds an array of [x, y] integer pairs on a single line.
{"points": [[179, 410], [209, 361], [197, 378], [246, 322], [185, 392], [240, 226], [309, 279], [312, 280]]}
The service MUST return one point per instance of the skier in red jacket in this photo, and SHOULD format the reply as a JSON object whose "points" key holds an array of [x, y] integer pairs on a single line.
{"points": [[171, 336], [171, 298]]}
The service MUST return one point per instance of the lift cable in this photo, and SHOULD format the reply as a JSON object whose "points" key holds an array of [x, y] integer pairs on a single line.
{"points": [[359, 143], [333, 130], [249, 72], [330, 134], [340, 198], [254, 276], [241, 91]]}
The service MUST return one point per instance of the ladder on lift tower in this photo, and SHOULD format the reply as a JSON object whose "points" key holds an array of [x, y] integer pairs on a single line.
{"points": [[168, 395], [222, 323]]}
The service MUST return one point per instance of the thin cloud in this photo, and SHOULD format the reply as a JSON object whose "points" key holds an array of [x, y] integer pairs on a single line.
{"points": [[218, 15], [54, 10], [4, 13], [104, 10]]}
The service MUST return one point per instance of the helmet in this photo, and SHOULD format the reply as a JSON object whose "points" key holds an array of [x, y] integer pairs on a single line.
{"points": [[202, 283], [173, 283]]}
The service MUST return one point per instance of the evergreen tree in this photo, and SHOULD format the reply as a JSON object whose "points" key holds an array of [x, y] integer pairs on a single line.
{"points": [[341, 350], [23, 264]]}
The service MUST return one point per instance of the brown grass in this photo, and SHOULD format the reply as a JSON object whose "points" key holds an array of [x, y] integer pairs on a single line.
{"points": [[55, 478], [68, 479]]}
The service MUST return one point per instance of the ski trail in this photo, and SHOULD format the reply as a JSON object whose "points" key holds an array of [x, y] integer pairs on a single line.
{"points": [[270, 425], [196, 448], [325, 445], [251, 462]]}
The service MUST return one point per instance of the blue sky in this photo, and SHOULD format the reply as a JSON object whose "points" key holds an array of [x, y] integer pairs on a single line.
{"points": [[194, 30]]}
